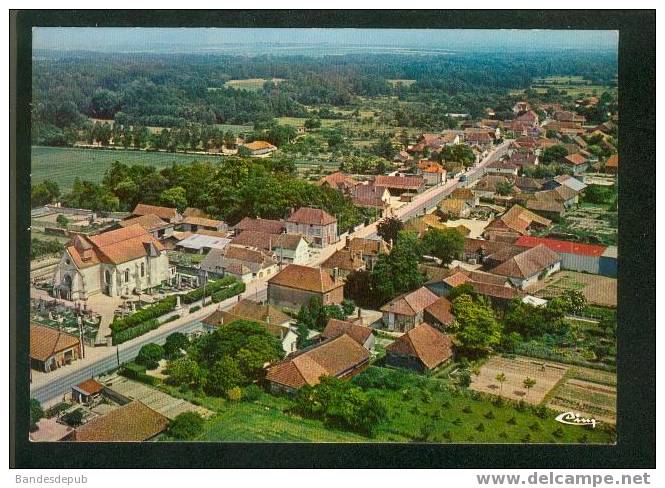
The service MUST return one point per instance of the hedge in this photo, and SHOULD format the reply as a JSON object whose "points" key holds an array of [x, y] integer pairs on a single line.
{"points": [[137, 372], [210, 288], [229, 292], [132, 332], [154, 311]]}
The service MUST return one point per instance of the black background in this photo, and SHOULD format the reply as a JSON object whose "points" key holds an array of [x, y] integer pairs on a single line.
{"points": [[636, 386]]}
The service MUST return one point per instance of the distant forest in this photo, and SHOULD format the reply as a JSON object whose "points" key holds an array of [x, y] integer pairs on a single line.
{"points": [[177, 90]]}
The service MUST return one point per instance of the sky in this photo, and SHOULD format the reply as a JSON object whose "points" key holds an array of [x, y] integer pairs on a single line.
{"points": [[273, 40]]}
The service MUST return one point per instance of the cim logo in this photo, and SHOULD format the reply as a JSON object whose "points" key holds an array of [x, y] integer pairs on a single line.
{"points": [[571, 418]]}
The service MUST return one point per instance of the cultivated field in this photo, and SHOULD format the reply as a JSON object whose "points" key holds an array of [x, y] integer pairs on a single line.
{"points": [[587, 391], [63, 164], [516, 371], [598, 290]]}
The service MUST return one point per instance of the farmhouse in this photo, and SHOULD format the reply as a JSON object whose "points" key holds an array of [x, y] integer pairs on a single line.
{"points": [[196, 223], [295, 285], [515, 222], [576, 162], [133, 422], [399, 184], [368, 249], [565, 180], [157, 227], [340, 357], [359, 333], [407, 310], [259, 148], [316, 224], [119, 262], [343, 262], [421, 349], [51, 348], [339, 181], [288, 248], [529, 266], [371, 196], [503, 168], [167, 214]]}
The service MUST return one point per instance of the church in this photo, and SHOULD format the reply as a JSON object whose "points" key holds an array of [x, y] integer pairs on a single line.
{"points": [[115, 263]]}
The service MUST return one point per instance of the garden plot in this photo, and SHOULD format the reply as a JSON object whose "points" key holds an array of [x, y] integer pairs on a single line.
{"points": [[159, 401], [598, 290], [545, 374], [590, 220], [586, 398]]}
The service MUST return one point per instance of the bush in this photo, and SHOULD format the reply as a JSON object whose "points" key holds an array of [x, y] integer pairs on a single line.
{"points": [[74, 418], [480, 427], [229, 292], [186, 426], [174, 344], [234, 394], [138, 372], [512, 421], [36, 413], [149, 355], [489, 415], [194, 308], [466, 409], [251, 393]]}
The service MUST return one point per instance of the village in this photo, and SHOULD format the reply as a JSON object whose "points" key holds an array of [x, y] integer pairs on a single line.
{"points": [[475, 301]]}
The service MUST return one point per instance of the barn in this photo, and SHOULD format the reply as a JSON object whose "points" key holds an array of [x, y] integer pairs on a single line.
{"points": [[575, 256]]}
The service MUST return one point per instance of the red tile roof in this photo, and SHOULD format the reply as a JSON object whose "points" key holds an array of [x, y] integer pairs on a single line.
{"points": [[426, 343], [134, 422], [305, 278], [90, 387], [334, 357], [311, 216], [165, 213], [562, 246], [261, 225], [335, 328], [527, 263], [399, 182], [411, 303], [45, 342], [442, 310]]}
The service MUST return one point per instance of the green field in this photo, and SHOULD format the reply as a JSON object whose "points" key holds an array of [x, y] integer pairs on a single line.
{"points": [[63, 164], [401, 82], [252, 84], [427, 411]]}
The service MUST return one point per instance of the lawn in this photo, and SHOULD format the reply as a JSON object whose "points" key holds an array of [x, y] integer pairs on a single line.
{"points": [[62, 164]]}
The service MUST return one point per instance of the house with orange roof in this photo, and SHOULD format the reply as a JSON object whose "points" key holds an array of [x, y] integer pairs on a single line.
{"points": [[576, 162], [259, 148], [52, 348], [167, 214], [405, 311], [317, 225], [296, 285], [340, 356], [421, 349], [115, 263], [612, 164]]}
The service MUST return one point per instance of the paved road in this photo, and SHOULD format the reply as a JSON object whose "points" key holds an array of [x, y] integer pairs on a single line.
{"points": [[48, 387]]}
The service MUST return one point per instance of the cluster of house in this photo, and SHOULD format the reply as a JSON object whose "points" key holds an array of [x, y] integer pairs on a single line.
{"points": [[130, 257]]}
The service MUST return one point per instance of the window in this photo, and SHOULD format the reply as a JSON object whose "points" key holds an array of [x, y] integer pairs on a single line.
{"points": [[126, 275], [107, 277], [142, 270]]}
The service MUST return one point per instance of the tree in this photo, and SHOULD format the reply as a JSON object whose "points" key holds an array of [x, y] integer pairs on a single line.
{"points": [[315, 315], [348, 306], [463, 289], [384, 147], [44, 193], [575, 301], [445, 244], [185, 371], [224, 375], [36, 413], [74, 418], [389, 228], [505, 188], [186, 426], [312, 123], [302, 333], [501, 378], [149, 355], [62, 221], [397, 272], [528, 383], [554, 154], [175, 197], [477, 330], [174, 344]]}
